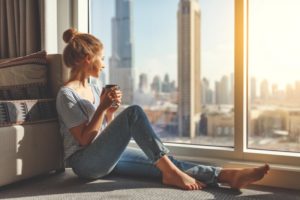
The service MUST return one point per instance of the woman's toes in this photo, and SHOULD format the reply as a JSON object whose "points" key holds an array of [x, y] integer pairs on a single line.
{"points": [[198, 187], [202, 185], [195, 187], [189, 187], [192, 187]]}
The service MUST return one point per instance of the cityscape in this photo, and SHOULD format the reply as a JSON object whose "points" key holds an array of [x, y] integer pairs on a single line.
{"points": [[192, 108]]}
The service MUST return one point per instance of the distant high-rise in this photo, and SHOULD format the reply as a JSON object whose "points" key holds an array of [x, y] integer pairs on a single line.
{"points": [[166, 84], [189, 98], [156, 84], [143, 83], [297, 89], [222, 91], [253, 88], [275, 91], [264, 89], [231, 89], [121, 67], [289, 90], [206, 92]]}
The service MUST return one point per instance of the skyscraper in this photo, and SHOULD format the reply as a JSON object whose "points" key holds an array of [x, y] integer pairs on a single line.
{"points": [[264, 90], [143, 83], [253, 89], [222, 91], [189, 102], [156, 84], [121, 66], [206, 92]]}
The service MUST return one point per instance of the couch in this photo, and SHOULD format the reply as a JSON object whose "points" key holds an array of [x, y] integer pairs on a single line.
{"points": [[30, 149]]}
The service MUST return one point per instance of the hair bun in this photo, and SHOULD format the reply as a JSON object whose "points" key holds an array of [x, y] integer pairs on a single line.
{"points": [[69, 34]]}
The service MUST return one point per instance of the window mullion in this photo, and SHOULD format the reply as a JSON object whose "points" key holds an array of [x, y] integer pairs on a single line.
{"points": [[239, 79]]}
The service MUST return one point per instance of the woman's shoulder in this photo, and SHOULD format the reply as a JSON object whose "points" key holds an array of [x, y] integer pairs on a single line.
{"points": [[64, 93], [63, 90]]}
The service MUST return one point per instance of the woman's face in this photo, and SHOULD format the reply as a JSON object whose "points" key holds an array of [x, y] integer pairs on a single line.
{"points": [[97, 65]]}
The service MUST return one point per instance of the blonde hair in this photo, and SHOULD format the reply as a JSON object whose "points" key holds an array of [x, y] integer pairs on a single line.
{"points": [[79, 47]]}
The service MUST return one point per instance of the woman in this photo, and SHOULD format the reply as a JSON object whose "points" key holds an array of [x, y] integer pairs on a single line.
{"points": [[95, 143]]}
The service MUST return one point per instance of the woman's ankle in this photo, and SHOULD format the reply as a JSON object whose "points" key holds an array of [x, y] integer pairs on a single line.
{"points": [[225, 175], [165, 165]]}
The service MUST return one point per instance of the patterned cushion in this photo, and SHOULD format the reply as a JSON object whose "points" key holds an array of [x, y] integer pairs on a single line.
{"points": [[27, 111], [24, 77]]}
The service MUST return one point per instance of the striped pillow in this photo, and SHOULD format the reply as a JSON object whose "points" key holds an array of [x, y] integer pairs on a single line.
{"points": [[24, 77], [27, 111]]}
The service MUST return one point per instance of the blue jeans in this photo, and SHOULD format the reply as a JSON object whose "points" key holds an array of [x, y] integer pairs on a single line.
{"points": [[109, 152]]}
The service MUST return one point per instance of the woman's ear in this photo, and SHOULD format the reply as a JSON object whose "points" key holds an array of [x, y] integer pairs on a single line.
{"points": [[88, 60]]}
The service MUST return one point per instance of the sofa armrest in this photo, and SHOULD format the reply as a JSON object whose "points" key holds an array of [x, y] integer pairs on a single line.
{"points": [[58, 72]]}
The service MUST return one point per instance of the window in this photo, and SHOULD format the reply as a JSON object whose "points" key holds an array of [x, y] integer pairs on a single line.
{"points": [[176, 60], [222, 109], [273, 80]]}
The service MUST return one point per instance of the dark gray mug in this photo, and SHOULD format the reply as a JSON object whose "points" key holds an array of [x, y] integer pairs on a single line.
{"points": [[109, 86]]}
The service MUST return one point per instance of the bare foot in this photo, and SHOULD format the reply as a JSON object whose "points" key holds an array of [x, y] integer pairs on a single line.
{"points": [[243, 177], [181, 180]]}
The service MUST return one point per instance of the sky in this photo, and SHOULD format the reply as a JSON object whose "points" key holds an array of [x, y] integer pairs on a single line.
{"points": [[274, 40], [154, 28], [274, 37]]}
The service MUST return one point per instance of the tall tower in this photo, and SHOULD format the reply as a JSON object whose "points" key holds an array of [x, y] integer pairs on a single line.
{"points": [[189, 98], [121, 66], [143, 83], [264, 89], [253, 89]]}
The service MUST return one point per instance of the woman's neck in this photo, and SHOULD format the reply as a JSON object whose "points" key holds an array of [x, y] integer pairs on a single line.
{"points": [[77, 83], [78, 80]]}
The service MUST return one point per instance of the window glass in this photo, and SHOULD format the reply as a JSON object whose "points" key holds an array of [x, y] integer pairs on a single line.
{"points": [[274, 83], [175, 59]]}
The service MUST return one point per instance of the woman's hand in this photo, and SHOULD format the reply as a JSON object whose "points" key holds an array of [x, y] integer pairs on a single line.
{"points": [[110, 100], [116, 96], [105, 99]]}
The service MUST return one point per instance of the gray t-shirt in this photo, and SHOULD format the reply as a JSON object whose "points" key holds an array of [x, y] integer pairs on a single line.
{"points": [[72, 111]]}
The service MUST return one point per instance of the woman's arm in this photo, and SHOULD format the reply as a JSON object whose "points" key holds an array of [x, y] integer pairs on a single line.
{"points": [[86, 132], [109, 117]]}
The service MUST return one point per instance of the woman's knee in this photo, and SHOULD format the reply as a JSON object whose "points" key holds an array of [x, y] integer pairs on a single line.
{"points": [[135, 109]]}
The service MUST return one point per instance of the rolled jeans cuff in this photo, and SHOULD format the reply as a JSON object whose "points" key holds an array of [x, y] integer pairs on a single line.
{"points": [[159, 155], [215, 181]]}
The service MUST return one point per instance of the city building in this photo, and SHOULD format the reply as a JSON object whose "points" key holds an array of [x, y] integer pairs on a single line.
{"points": [[231, 89], [121, 62], [222, 91], [264, 90], [142, 95], [168, 86], [220, 124], [189, 100], [206, 93], [143, 83], [253, 89]]}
